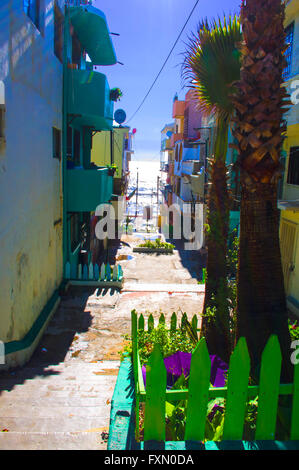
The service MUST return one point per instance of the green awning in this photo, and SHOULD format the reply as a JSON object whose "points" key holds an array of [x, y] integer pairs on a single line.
{"points": [[92, 30]]}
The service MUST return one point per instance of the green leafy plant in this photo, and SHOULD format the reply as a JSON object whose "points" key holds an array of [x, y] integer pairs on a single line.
{"points": [[115, 94], [294, 330], [169, 341], [156, 244]]}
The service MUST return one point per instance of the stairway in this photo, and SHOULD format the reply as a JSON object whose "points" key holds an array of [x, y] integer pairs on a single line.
{"points": [[65, 406]]}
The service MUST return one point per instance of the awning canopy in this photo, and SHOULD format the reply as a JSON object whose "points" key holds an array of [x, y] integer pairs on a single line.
{"points": [[289, 205], [92, 30]]}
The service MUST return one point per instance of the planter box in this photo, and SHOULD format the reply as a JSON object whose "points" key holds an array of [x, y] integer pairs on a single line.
{"points": [[143, 249], [236, 393]]}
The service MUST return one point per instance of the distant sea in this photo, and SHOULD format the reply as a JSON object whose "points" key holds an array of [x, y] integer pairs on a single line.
{"points": [[147, 171]]}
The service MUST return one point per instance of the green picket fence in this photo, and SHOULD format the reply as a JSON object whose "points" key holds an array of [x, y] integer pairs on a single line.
{"points": [[236, 393]]}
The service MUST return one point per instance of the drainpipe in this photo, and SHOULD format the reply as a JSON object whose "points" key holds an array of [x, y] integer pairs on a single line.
{"points": [[64, 141], [111, 148]]}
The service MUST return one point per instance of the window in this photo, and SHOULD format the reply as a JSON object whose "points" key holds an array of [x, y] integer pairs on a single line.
{"points": [[293, 170], [58, 32], [76, 51], [74, 230], [288, 53], [32, 9], [76, 147], [56, 139], [69, 150]]}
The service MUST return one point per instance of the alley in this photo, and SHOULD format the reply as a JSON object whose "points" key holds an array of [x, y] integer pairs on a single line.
{"points": [[61, 398]]}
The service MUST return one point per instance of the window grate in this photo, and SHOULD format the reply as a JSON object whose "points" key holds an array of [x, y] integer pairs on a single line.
{"points": [[293, 170], [289, 52]]}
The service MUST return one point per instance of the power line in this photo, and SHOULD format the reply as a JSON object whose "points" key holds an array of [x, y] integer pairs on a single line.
{"points": [[165, 62]]}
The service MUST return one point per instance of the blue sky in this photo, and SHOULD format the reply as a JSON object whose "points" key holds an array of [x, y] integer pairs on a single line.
{"points": [[148, 30]]}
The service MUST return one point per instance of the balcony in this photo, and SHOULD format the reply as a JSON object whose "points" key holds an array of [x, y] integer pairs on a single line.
{"points": [[189, 167], [88, 96], [92, 30], [166, 145], [184, 206], [178, 109], [164, 167], [198, 185], [175, 138], [86, 189]]}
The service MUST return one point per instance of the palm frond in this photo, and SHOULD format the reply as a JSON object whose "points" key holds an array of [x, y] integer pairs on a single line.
{"points": [[212, 64]]}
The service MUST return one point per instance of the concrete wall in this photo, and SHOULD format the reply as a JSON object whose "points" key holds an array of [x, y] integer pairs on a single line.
{"points": [[30, 178]]}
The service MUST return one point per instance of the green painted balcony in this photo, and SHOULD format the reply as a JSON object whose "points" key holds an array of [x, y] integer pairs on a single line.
{"points": [[86, 189], [89, 102], [92, 30]]}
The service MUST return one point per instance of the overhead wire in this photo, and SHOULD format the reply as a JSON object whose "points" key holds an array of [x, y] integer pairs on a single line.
{"points": [[165, 62]]}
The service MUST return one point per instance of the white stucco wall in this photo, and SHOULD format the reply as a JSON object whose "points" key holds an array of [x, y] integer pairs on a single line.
{"points": [[30, 178]]}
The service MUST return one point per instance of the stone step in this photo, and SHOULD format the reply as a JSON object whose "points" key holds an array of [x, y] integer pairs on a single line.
{"points": [[59, 390], [67, 385], [85, 367], [158, 287], [26, 410], [54, 424], [52, 441], [100, 399]]}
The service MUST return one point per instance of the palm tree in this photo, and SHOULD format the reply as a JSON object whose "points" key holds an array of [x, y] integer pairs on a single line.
{"points": [[211, 65], [260, 104]]}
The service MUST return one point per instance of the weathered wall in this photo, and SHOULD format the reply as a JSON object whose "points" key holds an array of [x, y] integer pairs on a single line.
{"points": [[30, 178]]}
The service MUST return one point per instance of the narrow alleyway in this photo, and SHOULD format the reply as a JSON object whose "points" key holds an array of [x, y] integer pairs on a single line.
{"points": [[61, 398]]}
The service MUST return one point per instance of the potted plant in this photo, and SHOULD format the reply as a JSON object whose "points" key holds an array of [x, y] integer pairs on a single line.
{"points": [[111, 169], [115, 94]]}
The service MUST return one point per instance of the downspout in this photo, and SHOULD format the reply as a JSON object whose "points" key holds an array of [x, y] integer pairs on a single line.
{"points": [[64, 141], [111, 148]]}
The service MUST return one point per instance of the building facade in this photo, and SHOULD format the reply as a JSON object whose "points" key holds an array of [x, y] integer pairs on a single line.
{"points": [[31, 176], [289, 202], [52, 102]]}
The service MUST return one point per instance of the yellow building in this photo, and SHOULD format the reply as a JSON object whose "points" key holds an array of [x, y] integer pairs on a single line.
{"points": [[289, 203], [114, 149]]}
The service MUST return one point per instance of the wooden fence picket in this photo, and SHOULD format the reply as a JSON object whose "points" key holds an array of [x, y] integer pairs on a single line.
{"points": [[154, 417], [184, 317], [141, 322], [150, 323], [114, 273], [268, 390], [108, 272], [85, 272], [120, 273], [96, 272], [194, 322], [90, 271], [173, 322], [103, 272], [237, 391], [198, 392], [80, 271]]}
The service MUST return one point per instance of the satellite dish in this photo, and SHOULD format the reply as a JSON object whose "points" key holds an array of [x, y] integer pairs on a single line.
{"points": [[169, 134], [120, 116]]}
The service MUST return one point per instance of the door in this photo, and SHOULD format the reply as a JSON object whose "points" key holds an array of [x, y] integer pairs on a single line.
{"points": [[287, 246]]}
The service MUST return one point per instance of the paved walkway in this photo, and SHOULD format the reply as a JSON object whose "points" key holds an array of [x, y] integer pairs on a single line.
{"points": [[61, 398]]}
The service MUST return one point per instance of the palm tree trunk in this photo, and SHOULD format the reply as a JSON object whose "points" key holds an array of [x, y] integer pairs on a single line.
{"points": [[215, 322], [261, 304]]}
